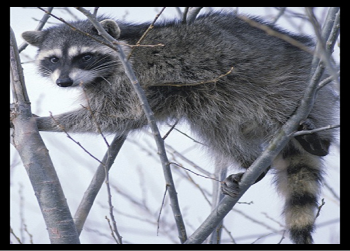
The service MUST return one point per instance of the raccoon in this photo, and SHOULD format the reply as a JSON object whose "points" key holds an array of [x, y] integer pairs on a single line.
{"points": [[234, 84]]}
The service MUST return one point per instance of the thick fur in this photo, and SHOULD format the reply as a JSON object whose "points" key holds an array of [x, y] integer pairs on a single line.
{"points": [[234, 112]]}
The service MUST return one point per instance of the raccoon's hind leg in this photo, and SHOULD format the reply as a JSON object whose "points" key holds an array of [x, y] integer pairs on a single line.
{"points": [[298, 178]]}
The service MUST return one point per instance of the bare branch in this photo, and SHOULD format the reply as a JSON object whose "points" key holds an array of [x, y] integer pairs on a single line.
{"points": [[315, 130], [96, 182], [35, 157], [138, 43], [274, 33], [151, 121], [196, 83], [40, 26], [220, 173], [189, 170], [161, 207], [319, 208], [110, 227], [192, 14], [280, 13], [326, 30], [114, 223], [76, 142], [94, 38], [324, 53], [95, 11], [327, 81], [16, 237]]}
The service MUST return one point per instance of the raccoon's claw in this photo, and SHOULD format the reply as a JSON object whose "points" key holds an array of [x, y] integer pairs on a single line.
{"points": [[230, 186]]}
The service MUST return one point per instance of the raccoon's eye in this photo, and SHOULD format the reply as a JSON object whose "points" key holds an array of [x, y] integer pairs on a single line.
{"points": [[54, 59], [86, 57]]}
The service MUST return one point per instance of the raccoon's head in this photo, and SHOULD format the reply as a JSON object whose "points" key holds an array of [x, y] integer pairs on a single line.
{"points": [[70, 58]]}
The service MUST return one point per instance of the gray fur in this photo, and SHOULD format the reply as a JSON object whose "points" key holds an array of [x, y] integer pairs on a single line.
{"points": [[234, 114]]}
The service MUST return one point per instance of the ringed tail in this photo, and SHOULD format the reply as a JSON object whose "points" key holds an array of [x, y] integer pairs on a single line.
{"points": [[298, 178]]}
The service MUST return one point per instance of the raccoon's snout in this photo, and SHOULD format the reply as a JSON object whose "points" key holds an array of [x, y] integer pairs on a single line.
{"points": [[64, 82]]}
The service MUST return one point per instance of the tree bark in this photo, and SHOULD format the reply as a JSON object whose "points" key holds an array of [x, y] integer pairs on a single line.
{"points": [[35, 157]]}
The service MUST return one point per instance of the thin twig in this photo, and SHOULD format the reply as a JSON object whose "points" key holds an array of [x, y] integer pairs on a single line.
{"points": [[196, 83], [161, 207], [304, 132], [192, 14], [280, 13], [138, 43], [16, 237], [29, 234], [170, 130], [111, 228], [95, 11], [324, 53], [282, 238], [327, 81], [76, 142], [114, 223], [189, 170], [174, 152], [275, 33], [184, 15], [319, 208], [40, 26], [94, 38], [93, 116], [188, 136]]}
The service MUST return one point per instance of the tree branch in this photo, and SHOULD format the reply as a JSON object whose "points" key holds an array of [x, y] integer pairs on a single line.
{"points": [[35, 158], [190, 14], [102, 174], [96, 182], [151, 121], [328, 31]]}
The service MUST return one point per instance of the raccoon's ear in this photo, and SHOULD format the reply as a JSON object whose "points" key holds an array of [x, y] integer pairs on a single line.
{"points": [[34, 38], [111, 27]]}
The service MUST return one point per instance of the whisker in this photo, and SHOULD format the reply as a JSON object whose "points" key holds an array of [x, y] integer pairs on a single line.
{"points": [[106, 81]]}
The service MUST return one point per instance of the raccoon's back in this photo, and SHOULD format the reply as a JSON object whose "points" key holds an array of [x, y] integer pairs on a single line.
{"points": [[219, 55]]}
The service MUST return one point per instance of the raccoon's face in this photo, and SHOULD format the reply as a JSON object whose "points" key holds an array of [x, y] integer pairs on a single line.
{"points": [[74, 66], [71, 59]]}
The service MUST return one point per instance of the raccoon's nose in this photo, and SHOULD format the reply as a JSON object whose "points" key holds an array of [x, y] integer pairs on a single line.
{"points": [[64, 82]]}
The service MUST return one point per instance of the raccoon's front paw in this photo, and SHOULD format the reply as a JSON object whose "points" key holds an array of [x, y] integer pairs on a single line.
{"points": [[230, 185]]}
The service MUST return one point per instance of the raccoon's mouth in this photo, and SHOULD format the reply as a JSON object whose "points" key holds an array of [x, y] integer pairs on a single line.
{"points": [[68, 82]]}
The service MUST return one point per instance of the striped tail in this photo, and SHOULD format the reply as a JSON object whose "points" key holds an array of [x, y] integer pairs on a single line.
{"points": [[298, 178]]}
